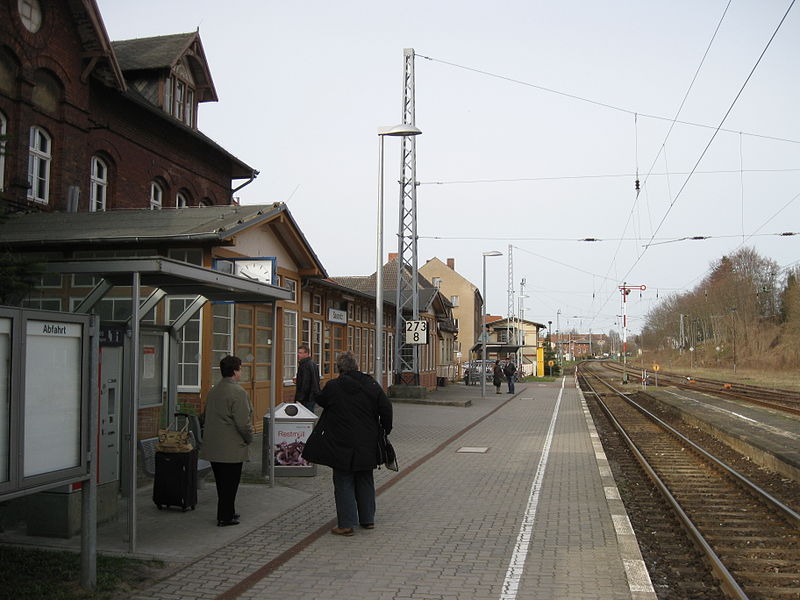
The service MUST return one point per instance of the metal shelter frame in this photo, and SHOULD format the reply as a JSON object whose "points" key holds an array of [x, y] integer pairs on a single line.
{"points": [[167, 277]]}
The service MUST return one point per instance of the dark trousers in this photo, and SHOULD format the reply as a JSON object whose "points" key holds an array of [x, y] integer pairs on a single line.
{"points": [[354, 493], [227, 477]]}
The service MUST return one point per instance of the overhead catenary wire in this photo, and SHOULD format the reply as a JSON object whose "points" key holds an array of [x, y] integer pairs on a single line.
{"points": [[603, 176], [597, 102], [708, 144]]}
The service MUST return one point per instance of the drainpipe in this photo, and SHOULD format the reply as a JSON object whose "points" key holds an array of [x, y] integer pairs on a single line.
{"points": [[253, 175]]}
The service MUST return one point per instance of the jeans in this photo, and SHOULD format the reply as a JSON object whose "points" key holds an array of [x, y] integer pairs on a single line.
{"points": [[309, 404], [354, 492], [510, 379]]}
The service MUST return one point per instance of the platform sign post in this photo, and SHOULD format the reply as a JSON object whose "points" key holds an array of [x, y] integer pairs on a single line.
{"points": [[656, 369]]}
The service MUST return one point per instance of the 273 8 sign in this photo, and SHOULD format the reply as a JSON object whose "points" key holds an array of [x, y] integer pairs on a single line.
{"points": [[416, 332]]}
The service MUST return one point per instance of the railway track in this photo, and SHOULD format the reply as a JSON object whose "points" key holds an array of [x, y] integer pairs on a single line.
{"points": [[777, 399], [748, 539]]}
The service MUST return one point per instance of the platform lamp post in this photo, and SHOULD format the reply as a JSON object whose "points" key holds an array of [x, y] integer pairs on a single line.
{"points": [[401, 130], [484, 336], [550, 335]]}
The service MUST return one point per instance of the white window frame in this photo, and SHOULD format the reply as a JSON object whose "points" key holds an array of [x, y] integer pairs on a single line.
{"points": [[175, 307], [305, 336], [181, 200], [316, 304], [30, 13], [156, 195], [289, 346], [39, 164], [222, 314], [291, 285], [3, 128], [454, 301], [316, 342], [98, 190]]}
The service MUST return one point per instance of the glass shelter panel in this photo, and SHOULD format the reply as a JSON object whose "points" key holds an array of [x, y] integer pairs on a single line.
{"points": [[52, 397]]}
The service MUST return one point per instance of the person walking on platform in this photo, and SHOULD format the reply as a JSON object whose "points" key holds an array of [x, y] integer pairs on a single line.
{"points": [[497, 376], [307, 379], [510, 371], [354, 411], [228, 433]]}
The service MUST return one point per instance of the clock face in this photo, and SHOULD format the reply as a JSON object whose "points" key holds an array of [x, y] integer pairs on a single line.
{"points": [[257, 270]]}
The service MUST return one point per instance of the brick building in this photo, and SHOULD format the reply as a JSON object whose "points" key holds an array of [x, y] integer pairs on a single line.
{"points": [[96, 125]]}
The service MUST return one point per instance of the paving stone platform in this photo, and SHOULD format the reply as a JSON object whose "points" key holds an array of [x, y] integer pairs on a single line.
{"points": [[507, 496]]}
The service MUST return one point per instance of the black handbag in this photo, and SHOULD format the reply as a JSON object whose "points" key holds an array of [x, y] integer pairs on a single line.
{"points": [[388, 455]]}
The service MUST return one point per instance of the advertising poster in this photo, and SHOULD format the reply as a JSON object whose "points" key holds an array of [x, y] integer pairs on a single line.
{"points": [[290, 439]]}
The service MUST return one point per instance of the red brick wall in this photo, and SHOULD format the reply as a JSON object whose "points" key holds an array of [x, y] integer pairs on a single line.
{"points": [[91, 118]]}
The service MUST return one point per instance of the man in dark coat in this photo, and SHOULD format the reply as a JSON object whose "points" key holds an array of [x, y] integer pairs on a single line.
{"points": [[307, 379], [356, 413]]}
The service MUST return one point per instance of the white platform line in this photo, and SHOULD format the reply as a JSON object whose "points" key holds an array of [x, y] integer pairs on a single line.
{"points": [[519, 556]]}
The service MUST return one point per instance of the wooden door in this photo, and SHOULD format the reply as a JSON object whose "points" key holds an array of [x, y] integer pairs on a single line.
{"points": [[253, 346]]}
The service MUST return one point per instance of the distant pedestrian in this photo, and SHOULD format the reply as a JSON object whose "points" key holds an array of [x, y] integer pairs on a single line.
{"points": [[307, 380], [228, 433], [497, 376], [355, 414], [510, 371]]}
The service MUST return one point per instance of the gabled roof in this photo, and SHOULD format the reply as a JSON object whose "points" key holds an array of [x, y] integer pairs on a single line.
{"points": [[366, 283], [98, 52], [163, 53], [503, 321], [130, 229]]}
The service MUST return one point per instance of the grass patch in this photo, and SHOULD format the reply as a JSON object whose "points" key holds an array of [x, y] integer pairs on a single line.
{"points": [[29, 573]]}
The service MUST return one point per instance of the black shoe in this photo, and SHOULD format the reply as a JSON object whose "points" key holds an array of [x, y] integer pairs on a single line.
{"points": [[236, 516], [227, 523]]}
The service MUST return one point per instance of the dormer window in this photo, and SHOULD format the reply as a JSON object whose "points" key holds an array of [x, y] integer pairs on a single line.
{"points": [[179, 96]]}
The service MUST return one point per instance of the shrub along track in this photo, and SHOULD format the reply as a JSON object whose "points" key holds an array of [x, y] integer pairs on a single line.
{"points": [[755, 544]]}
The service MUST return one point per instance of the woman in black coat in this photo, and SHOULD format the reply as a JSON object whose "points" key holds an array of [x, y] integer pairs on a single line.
{"points": [[497, 376], [347, 438]]}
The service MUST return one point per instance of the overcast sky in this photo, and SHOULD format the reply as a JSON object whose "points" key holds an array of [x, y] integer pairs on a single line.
{"points": [[536, 116]]}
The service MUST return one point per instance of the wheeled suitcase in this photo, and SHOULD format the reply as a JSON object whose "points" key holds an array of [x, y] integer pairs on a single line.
{"points": [[176, 479]]}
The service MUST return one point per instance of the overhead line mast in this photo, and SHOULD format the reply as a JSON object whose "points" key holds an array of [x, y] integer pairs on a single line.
{"points": [[406, 363]]}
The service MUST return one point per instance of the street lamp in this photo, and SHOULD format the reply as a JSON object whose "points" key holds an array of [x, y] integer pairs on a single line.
{"points": [[484, 337], [395, 131]]}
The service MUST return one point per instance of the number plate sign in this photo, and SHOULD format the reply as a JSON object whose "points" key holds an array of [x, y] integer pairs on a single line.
{"points": [[416, 332]]}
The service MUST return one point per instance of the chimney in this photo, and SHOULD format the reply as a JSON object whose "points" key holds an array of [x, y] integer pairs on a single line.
{"points": [[392, 256], [451, 262]]}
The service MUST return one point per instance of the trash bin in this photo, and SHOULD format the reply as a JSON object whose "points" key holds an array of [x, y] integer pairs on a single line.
{"points": [[293, 424]]}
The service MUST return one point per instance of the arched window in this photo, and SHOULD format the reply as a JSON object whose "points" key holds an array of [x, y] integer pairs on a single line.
{"points": [[205, 202], [182, 200], [3, 126], [39, 165], [98, 190], [156, 195]]}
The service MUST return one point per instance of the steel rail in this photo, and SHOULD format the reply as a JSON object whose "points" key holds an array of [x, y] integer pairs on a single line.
{"points": [[728, 584]]}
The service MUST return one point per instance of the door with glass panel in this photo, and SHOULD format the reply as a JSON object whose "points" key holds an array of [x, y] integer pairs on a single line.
{"points": [[253, 342]]}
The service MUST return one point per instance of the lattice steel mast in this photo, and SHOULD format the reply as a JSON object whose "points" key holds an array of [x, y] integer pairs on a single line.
{"points": [[406, 367], [512, 339]]}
